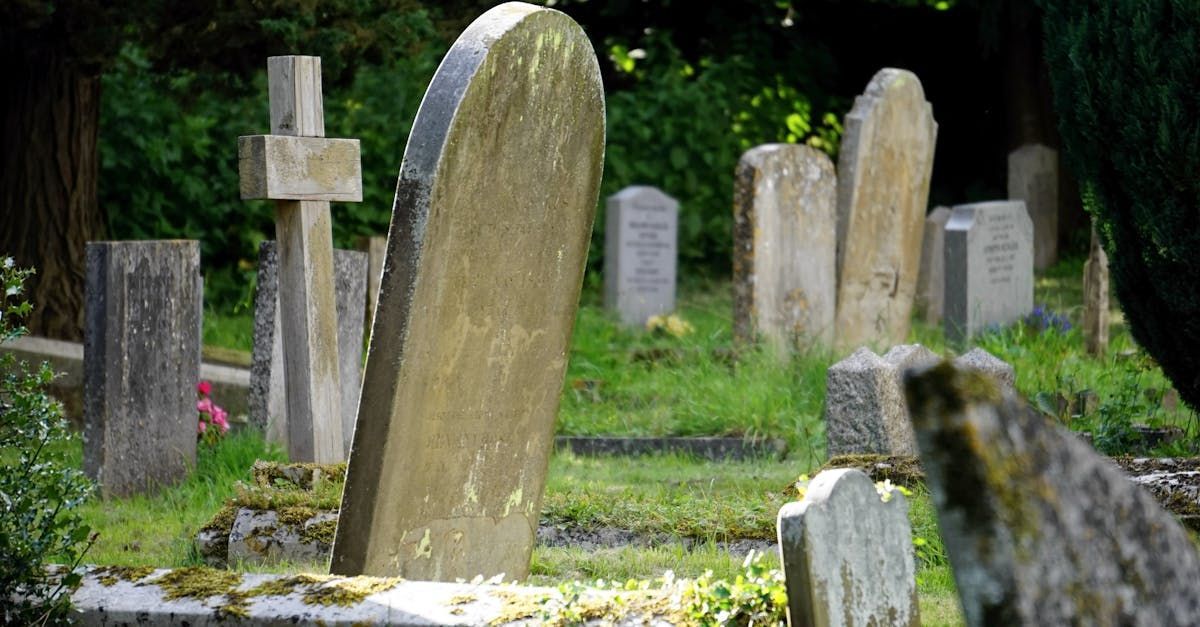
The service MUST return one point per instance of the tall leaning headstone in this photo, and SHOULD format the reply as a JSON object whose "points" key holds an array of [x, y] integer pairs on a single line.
{"points": [[486, 254], [931, 278], [141, 364], [1033, 178], [884, 166], [989, 267], [785, 247], [641, 232], [1039, 528]]}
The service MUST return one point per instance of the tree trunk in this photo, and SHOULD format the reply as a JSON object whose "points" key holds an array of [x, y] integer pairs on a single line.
{"points": [[49, 116]]}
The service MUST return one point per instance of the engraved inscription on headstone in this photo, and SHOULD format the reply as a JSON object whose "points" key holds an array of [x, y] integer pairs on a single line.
{"points": [[641, 232], [988, 266]]}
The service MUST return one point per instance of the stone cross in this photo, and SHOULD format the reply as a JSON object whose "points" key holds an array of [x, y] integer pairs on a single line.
{"points": [[785, 246], [848, 555], [485, 261], [1095, 298], [302, 170]]}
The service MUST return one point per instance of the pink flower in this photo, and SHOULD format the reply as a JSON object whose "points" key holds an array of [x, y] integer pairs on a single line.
{"points": [[204, 388], [204, 405], [202, 427]]}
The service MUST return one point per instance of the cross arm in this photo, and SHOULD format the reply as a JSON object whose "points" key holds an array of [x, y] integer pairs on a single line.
{"points": [[282, 167]]}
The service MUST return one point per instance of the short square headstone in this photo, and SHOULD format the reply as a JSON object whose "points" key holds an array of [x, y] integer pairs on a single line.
{"points": [[640, 253], [931, 279], [1095, 298], [1033, 178], [486, 255], [268, 383], [864, 407], [785, 247], [1039, 528], [883, 172], [847, 554], [141, 363], [989, 267]]}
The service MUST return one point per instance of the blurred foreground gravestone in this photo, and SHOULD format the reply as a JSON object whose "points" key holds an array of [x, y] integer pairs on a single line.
{"points": [[141, 364], [883, 172], [847, 554], [1040, 529], [640, 253], [988, 266], [486, 255], [268, 384], [785, 248]]}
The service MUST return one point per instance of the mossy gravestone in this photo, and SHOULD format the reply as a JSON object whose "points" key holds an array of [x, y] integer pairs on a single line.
{"points": [[1039, 528], [141, 364], [486, 254]]}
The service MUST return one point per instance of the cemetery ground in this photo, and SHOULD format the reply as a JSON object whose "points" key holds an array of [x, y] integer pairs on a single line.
{"points": [[627, 382]]}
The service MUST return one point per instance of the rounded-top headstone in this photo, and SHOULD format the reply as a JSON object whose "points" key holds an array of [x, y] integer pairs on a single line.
{"points": [[485, 260]]}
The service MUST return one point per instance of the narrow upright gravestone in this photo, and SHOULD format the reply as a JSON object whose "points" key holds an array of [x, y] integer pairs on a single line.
{"points": [[989, 267], [1033, 178], [785, 247], [302, 170], [268, 385], [848, 555], [883, 174], [1095, 298], [141, 357], [640, 250], [1040, 529], [486, 254], [931, 279], [376, 247]]}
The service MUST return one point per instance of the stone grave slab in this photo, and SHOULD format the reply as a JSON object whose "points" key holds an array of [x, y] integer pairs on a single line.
{"points": [[785, 248], [141, 357], [641, 235], [1033, 178], [931, 278], [848, 555], [268, 389], [989, 267], [884, 166], [1095, 298], [486, 254], [1039, 528]]}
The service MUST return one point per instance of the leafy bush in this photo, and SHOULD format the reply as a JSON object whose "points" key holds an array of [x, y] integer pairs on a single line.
{"points": [[39, 491], [1127, 96]]}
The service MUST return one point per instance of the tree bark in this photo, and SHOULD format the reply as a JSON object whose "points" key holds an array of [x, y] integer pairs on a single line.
{"points": [[49, 117]]}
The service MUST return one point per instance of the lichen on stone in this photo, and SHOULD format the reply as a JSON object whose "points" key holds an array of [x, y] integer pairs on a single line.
{"points": [[222, 521], [321, 532], [345, 592], [195, 582], [110, 575], [902, 470]]}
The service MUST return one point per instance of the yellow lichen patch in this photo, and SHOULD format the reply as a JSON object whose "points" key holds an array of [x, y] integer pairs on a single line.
{"points": [[321, 532], [347, 592], [110, 575], [223, 520], [462, 599], [196, 582]]}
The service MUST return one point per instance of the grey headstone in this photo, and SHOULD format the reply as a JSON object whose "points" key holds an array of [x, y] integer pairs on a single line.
{"points": [[864, 406], [785, 247], [261, 537], [141, 360], [1095, 298], [268, 388], [999, 370], [640, 253], [486, 254], [1040, 529], [848, 556], [884, 166], [931, 279], [989, 267], [1033, 178]]}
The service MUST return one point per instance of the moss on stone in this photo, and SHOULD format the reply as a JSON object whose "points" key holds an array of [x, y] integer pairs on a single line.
{"points": [[222, 521], [902, 470], [110, 575], [295, 516], [301, 476], [196, 582], [348, 591], [321, 532]]}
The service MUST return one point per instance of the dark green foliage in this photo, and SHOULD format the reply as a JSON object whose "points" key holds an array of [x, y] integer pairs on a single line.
{"points": [[39, 488], [1127, 93]]}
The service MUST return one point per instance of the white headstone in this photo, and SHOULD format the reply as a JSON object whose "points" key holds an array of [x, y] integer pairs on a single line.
{"points": [[989, 267], [640, 253]]}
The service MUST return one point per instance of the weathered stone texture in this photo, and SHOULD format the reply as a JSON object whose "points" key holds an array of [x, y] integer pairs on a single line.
{"points": [[988, 266], [864, 407], [1040, 529], [884, 166], [261, 537], [785, 248], [141, 363], [641, 236], [999, 370], [1033, 178], [847, 555], [486, 255], [1095, 298], [931, 278]]}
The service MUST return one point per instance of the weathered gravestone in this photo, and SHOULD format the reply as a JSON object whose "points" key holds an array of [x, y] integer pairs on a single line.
{"points": [[141, 356], [376, 247], [931, 278], [1095, 298], [302, 170], [864, 397], [268, 381], [883, 172], [640, 253], [486, 254], [848, 555], [785, 247], [1039, 528], [989, 267], [1033, 178]]}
